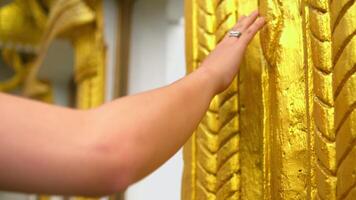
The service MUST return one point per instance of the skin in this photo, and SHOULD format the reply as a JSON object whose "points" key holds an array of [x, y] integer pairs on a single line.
{"points": [[55, 150]]}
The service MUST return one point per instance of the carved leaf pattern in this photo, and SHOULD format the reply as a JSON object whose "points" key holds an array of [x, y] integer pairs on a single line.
{"points": [[343, 23], [319, 32], [217, 163], [313, 121]]}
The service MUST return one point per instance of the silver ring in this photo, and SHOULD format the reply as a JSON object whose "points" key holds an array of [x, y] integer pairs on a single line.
{"points": [[236, 34]]}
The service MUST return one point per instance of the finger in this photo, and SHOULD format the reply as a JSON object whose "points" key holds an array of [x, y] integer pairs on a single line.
{"points": [[242, 18], [244, 22], [238, 25], [248, 21], [248, 35]]}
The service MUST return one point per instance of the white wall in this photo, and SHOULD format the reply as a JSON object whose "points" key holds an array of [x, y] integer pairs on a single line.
{"points": [[58, 68], [157, 59]]}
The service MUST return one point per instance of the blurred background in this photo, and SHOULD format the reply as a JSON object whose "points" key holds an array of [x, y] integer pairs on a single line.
{"points": [[144, 42]]}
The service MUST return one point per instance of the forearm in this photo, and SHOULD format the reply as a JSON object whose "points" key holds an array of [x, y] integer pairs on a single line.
{"points": [[42, 147], [49, 149], [145, 130]]}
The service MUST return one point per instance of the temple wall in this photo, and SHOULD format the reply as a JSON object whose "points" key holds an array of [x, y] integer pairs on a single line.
{"points": [[286, 127]]}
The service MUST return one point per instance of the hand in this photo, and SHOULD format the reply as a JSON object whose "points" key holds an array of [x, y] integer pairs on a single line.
{"points": [[223, 63]]}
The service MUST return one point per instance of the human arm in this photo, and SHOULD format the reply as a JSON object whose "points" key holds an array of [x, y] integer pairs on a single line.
{"points": [[48, 149]]}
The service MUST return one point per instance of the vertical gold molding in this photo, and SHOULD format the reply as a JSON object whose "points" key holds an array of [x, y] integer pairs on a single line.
{"points": [[283, 47], [251, 109], [189, 150], [309, 101], [89, 64]]}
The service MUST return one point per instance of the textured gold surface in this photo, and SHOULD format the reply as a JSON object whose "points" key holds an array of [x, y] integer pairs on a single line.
{"points": [[213, 169], [286, 129]]}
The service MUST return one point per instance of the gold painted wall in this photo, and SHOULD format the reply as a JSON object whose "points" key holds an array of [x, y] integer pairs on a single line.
{"points": [[286, 127]]}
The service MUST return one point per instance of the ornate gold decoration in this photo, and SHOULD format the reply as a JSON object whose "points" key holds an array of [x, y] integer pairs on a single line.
{"points": [[63, 17], [76, 20], [90, 63], [16, 19], [212, 154], [286, 129]]}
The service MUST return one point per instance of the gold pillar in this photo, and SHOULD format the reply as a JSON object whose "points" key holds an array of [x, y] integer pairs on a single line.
{"points": [[286, 127]]}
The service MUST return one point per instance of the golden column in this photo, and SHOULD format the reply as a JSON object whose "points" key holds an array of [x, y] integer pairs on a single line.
{"points": [[286, 128]]}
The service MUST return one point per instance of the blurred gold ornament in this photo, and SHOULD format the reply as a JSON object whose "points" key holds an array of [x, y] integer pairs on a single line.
{"points": [[30, 32]]}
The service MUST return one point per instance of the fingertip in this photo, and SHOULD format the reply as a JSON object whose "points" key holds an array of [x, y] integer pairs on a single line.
{"points": [[251, 18], [262, 20], [254, 13], [242, 17]]}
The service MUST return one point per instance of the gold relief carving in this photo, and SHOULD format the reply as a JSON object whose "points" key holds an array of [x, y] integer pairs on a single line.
{"points": [[343, 19], [212, 155], [292, 107], [320, 41], [283, 48]]}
